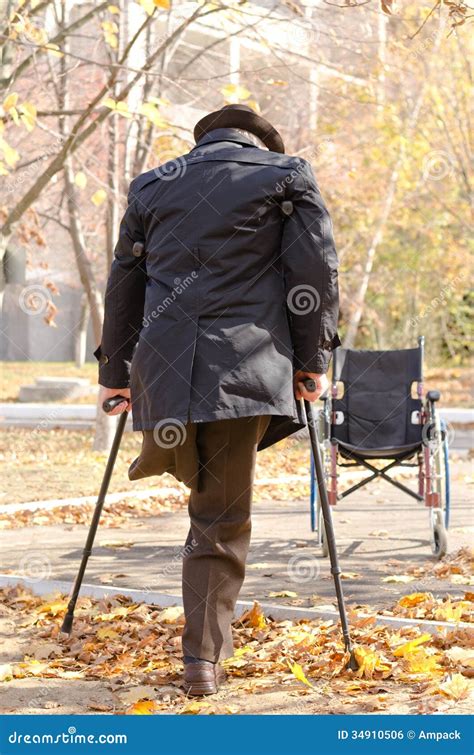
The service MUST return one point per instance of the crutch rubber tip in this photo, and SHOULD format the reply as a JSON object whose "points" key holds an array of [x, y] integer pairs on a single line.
{"points": [[353, 664], [67, 623]]}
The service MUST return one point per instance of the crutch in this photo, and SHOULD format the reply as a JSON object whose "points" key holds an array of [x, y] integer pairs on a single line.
{"points": [[310, 386], [107, 406]]}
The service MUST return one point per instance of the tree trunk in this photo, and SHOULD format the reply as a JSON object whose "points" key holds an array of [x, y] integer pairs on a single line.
{"points": [[412, 121], [81, 334]]}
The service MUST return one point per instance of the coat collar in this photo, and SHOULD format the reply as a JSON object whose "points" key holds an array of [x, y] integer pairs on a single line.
{"points": [[225, 135]]}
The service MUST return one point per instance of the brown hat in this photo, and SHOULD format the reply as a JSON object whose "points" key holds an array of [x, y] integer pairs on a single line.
{"points": [[240, 116]]}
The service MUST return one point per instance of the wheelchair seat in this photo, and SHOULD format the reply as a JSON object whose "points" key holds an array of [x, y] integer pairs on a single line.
{"points": [[348, 451]]}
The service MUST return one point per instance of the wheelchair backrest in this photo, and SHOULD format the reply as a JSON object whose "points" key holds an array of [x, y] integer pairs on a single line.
{"points": [[377, 410]]}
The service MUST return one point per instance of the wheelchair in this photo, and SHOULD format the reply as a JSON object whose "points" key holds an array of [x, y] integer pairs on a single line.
{"points": [[377, 419]]}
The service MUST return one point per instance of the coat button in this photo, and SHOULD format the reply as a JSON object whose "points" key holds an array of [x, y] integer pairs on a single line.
{"points": [[104, 359], [138, 249]]}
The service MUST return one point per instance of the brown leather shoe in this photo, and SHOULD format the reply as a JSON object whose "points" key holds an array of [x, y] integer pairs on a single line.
{"points": [[203, 678]]}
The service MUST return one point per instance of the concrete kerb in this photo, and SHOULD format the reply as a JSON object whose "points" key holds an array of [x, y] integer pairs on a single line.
{"points": [[277, 612]]}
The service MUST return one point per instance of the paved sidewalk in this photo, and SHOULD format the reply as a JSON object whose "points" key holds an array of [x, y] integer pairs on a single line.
{"points": [[379, 531]]}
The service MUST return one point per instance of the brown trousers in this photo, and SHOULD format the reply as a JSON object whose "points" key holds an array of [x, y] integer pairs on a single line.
{"points": [[218, 459]]}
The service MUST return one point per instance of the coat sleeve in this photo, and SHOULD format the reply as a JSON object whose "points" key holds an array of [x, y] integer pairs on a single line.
{"points": [[310, 270], [124, 301]]}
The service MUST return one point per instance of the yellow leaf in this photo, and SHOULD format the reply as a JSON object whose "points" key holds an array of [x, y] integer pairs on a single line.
{"points": [[299, 674], [235, 93], [254, 105], [122, 109], [113, 9], [148, 6], [3, 170], [116, 613], [449, 612], [420, 661], [195, 707], [53, 50], [283, 594], [28, 115], [30, 668], [349, 575], [143, 708], [10, 154], [10, 101], [409, 647], [369, 662], [99, 197], [402, 578], [165, 4], [80, 179], [414, 599], [456, 686], [110, 103], [6, 673], [150, 110], [119, 107], [107, 633], [170, 615], [54, 608], [254, 617]]}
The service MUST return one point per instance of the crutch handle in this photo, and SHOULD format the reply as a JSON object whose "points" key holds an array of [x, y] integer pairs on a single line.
{"points": [[113, 402]]}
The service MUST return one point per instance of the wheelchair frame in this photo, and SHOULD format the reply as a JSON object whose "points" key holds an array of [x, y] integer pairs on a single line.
{"points": [[432, 461]]}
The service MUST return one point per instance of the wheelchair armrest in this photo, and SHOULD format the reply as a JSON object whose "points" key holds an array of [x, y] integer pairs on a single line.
{"points": [[433, 396]]}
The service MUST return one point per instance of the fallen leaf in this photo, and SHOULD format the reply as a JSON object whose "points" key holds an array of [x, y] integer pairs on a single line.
{"points": [[143, 708], [460, 655], [414, 599], [6, 672], [402, 578], [195, 707], [283, 594], [254, 617], [299, 674], [456, 687], [408, 647], [107, 634], [170, 615], [370, 661]]}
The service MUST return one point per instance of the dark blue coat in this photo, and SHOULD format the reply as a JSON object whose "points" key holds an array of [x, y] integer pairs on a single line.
{"points": [[225, 280]]}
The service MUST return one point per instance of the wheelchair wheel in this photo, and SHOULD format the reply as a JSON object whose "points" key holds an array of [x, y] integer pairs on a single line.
{"points": [[439, 516], [439, 535]]}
